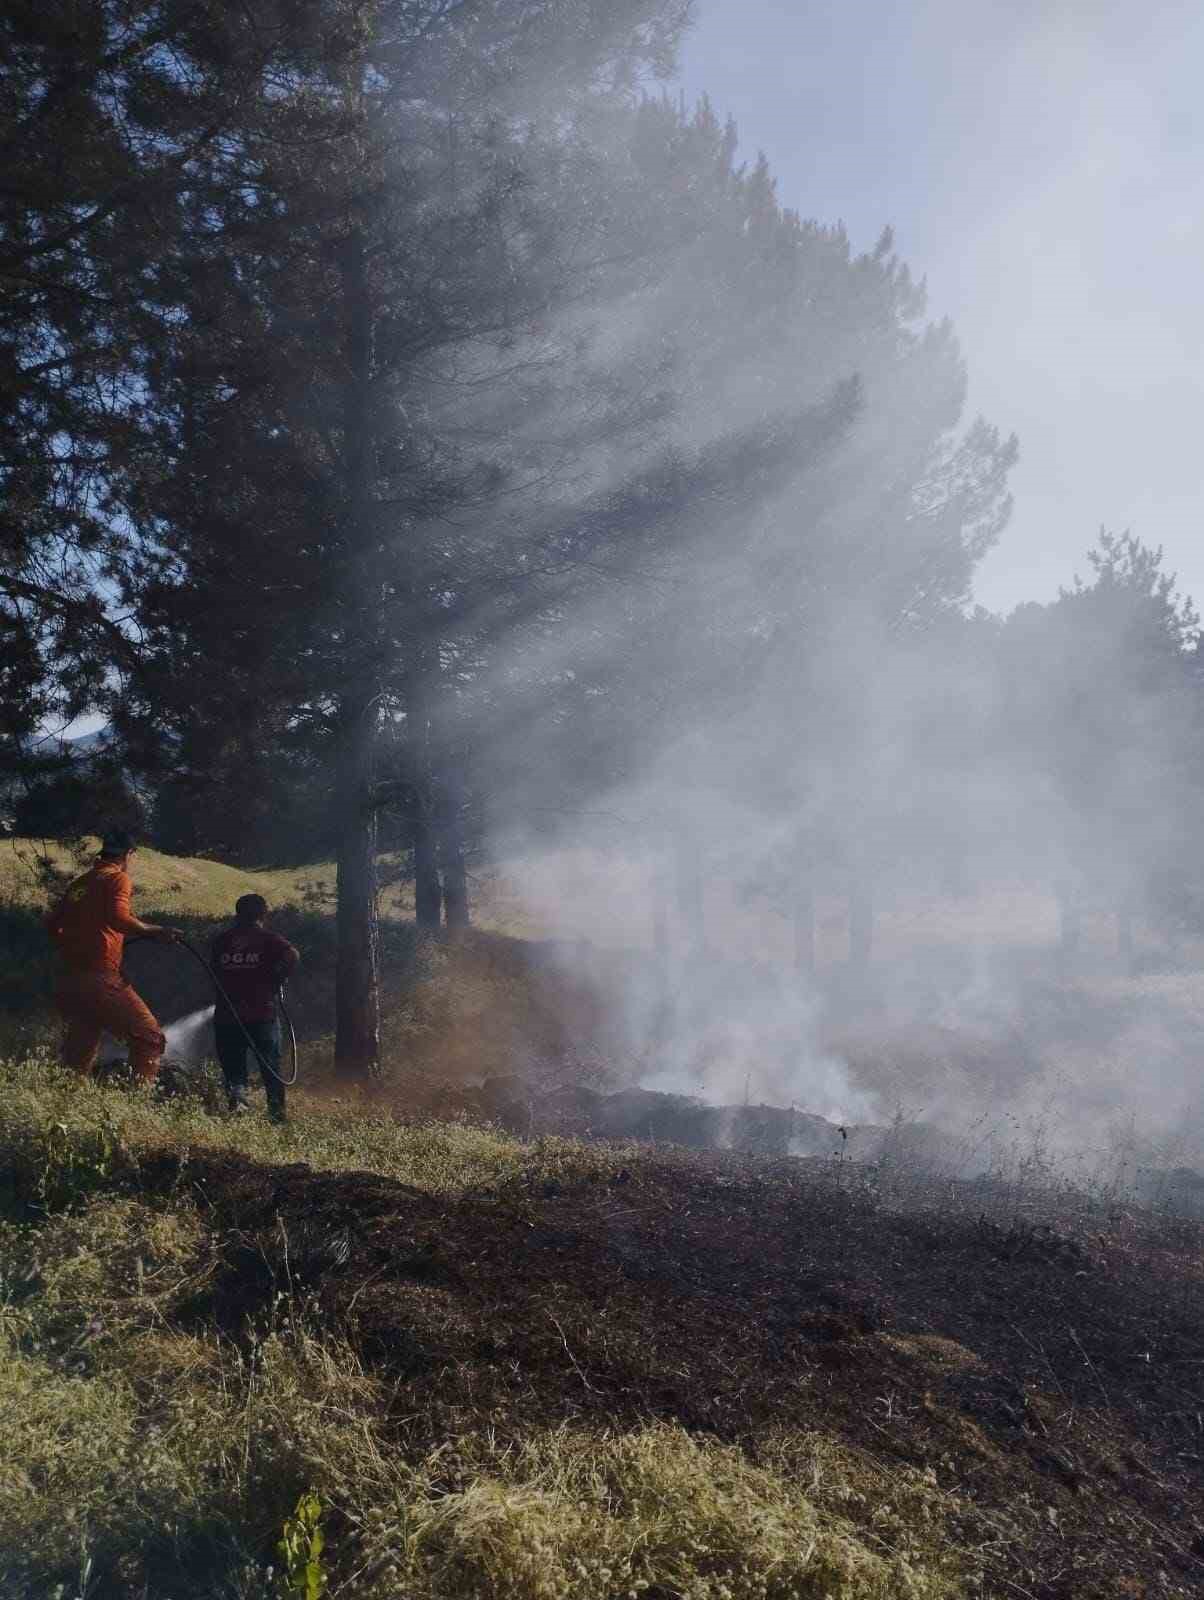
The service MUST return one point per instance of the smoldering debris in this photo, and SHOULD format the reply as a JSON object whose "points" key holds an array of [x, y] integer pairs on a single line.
{"points": [[649, 1115], [908, 1150]]}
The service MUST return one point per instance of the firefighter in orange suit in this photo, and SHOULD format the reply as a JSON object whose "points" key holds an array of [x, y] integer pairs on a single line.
{"points": [[89, 925]]}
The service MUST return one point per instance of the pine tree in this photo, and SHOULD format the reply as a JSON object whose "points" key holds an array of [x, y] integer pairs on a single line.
{"points": [[1102, 708], [101, 126], [376, 255]]}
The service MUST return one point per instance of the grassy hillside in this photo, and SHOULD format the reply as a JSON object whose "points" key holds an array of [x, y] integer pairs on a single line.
{"points": [[195, 887], [484, 1368], [161, 882]]}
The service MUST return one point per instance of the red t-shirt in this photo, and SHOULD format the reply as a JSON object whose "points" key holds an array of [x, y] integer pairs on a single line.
{"points": [[250, 963]]}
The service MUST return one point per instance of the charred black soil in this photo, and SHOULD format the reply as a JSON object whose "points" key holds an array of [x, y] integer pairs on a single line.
{"points": [[1051, 1373]]}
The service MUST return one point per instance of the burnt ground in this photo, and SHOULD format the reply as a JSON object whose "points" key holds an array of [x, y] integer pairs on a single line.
{"points": [[1051, 1375]]}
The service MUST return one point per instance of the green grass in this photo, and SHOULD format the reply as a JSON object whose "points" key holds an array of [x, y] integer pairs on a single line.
{"points": [[191, 886], [61, 1136], [147, 1455]]}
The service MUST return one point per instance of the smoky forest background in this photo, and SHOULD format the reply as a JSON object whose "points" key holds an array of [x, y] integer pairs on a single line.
{"points": [[427, 444]]}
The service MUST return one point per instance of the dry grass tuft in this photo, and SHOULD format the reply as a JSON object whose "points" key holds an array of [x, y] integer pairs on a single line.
{"points": [[86, 1281], [572, 1514]]}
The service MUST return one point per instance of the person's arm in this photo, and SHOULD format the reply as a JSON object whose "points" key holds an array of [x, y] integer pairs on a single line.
{"points": [[286, 957], [124, 921]]}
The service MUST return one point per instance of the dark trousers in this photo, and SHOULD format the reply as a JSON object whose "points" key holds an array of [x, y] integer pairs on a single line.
{"points": [[233, 1050]]}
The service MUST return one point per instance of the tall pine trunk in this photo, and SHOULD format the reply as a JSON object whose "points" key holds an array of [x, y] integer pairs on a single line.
{"points": [[428, 891], [451, 854], [357, 965], [357, 978], [455, 884]]}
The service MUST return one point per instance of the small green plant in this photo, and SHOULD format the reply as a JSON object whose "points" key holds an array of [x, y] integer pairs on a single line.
{"points": [[300, 1550], [75, 1163]]}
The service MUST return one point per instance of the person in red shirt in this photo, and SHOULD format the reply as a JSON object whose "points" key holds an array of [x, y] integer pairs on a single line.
{"points": [[90, 925], [250, 962]]}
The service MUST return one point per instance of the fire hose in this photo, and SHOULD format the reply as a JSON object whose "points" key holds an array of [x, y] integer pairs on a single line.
{"points": [[285, 1019]]}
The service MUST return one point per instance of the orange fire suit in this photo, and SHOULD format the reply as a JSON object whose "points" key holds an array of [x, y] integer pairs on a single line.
{"points": [[89, 925]]}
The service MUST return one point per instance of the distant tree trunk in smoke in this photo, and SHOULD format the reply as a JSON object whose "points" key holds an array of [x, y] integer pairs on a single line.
{"points": [[428, 891], [455, 887], [861, 922], [452, 858], [357, 988]]}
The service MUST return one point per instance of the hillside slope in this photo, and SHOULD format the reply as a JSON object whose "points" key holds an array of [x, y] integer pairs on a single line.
{"points": [[197, 887], [188, 885], [581, 1371]]}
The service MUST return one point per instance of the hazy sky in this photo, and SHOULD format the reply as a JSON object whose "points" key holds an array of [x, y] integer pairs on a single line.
{"points": [[1042, 163]]}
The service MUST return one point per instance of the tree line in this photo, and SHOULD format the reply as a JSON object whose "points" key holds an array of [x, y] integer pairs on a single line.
{"points": [[418, 428]]}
